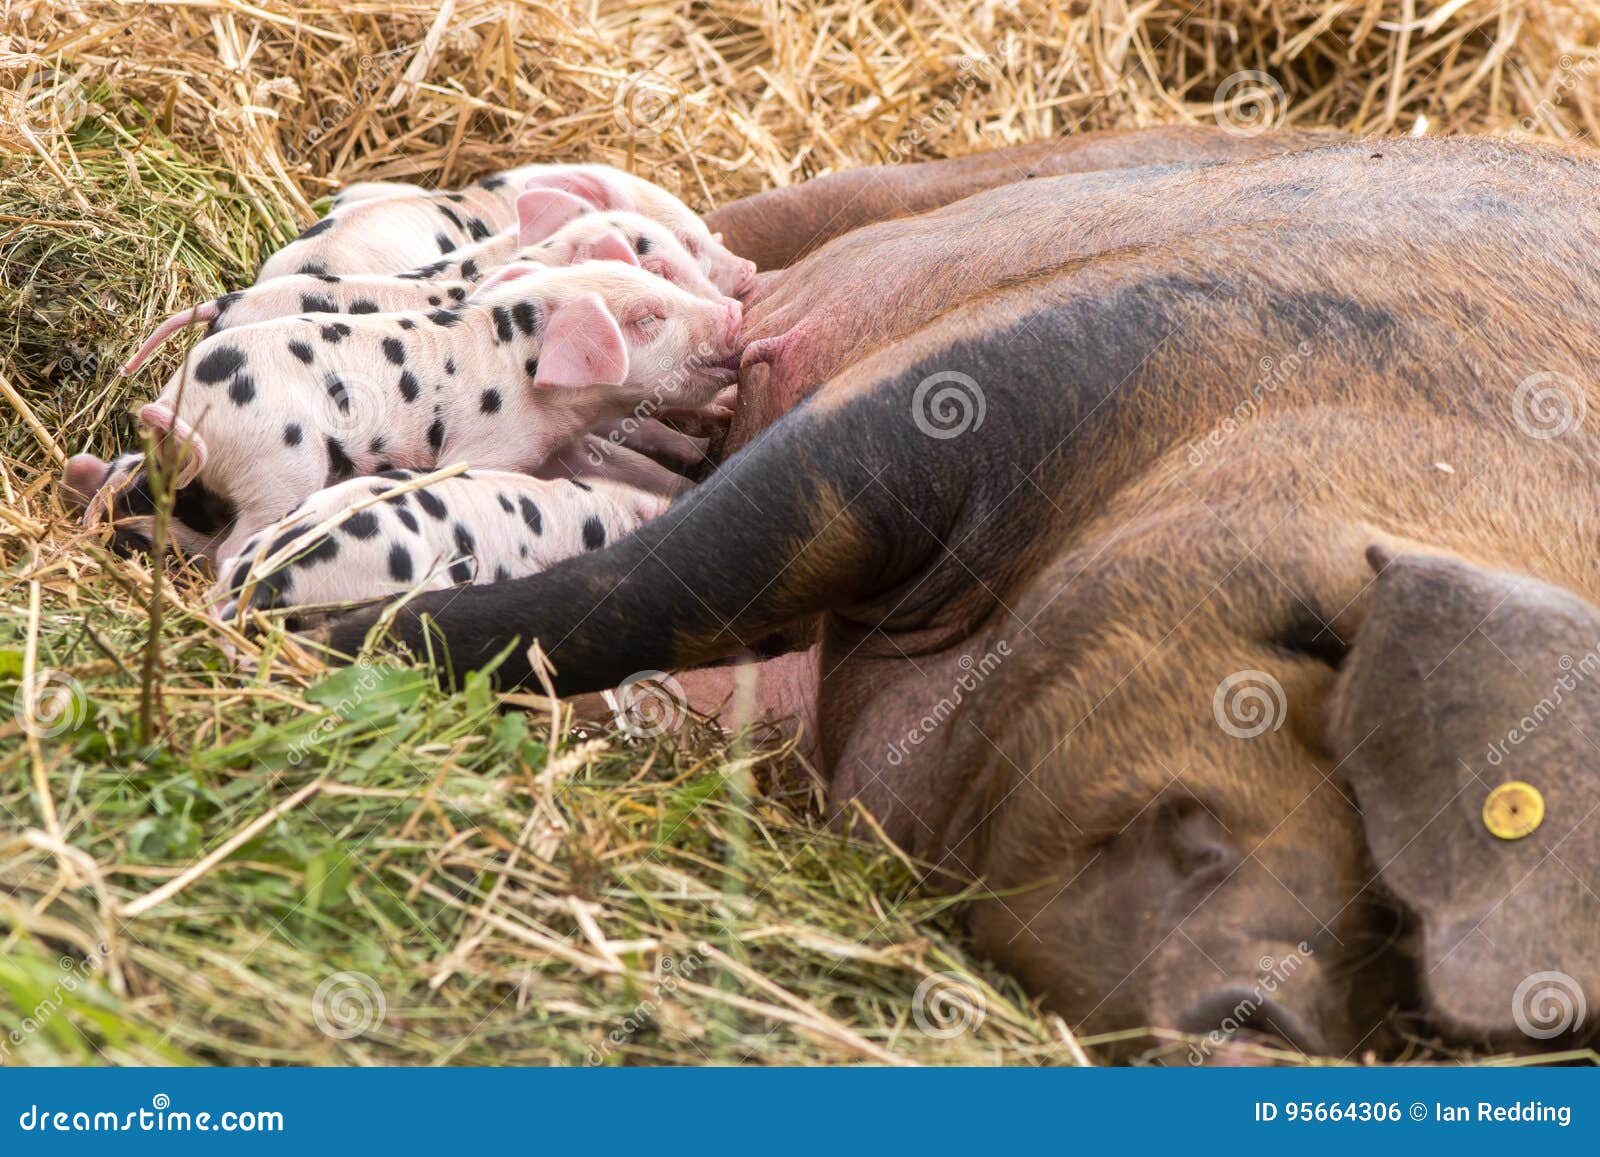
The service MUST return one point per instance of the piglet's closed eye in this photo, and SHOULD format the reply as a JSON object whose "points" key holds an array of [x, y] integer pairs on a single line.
{"points": [[583, 346]]}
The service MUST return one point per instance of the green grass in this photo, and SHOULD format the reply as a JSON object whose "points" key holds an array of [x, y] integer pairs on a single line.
{"points": [[458, 884]]}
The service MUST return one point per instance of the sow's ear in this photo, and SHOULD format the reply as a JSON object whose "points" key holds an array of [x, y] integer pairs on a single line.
{"points": [[582, 346], [1467, 718], [541, 212]]}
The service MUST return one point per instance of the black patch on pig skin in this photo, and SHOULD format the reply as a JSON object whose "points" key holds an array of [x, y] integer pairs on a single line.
{"points": [[313, 268], [445, 244], [292, 434], [316, 303], [409, 390], [316, 229], [476, 229], [505, 504], [363, 306], [436, 434], [398, 475], [522, 551], [581, 485], [449, 365], [242, 390], [642, 245], [492, 183], [408, 520], [326, 278], [341, 396], [302, 351], [501, 574], [382, 466], [363, 525], [406, 323], [324, 549], [469, 270], [335, 333], [399, 563], [270, 590], [431, 502], [435, 299], [224, 303], [532, 366], [219, 364], [445, 317], [489, 403], [395, 350], [526, 315], [464, 540], [450, 215], [461, 571], [376, 447], [502, 323], [594, 533], [339, 465], [457, 294], [531, 514]]}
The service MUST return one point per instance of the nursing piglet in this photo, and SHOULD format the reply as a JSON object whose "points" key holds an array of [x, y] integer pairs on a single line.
{"points": [[263, 416], [477, 527]]}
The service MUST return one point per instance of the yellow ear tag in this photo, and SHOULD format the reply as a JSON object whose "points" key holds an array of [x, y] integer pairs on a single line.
{"points": [[1513, 810]]}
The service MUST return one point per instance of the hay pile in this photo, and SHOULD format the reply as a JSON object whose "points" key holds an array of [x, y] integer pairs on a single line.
{"points": [[455, 884]]}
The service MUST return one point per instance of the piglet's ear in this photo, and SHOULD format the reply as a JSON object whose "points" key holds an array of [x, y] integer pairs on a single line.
{"points": [[595, 188], [506, 273], [540, 212], [582, 346], [177, 443], [612, 246]]}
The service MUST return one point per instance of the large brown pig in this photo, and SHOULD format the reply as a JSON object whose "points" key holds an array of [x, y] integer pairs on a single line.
{"points": [[1207, 594]]}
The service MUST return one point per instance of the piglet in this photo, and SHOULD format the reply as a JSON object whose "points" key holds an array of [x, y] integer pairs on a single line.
{"points": [[261, 417], [396, 231], [557, 229], [476, 527]]}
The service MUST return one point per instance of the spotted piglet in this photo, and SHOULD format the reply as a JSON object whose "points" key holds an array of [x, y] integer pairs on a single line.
{"points": [[557, 230], [261, 417], [476, 527], [397, 230]]}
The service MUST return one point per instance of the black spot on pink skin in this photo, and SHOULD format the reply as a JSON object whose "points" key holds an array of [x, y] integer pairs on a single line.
{"points": [[406, 323], [505, 504], [313, 268], [335, 333], [435, 299], [326, 278], [642, 245], [385, 465], [445, 244], [464, 540], [445, 317], [316, 230], [399, 563], [522, 551], [594, 533], [489, 403], [531, 514], [218, 364], [363, 525], [532, 366], [436, 434], [242, 390], [462, 571], [227, 301], [580, 485], [292, 434], [449, 365], [431, 504], [470, 270], [395, 350], [302, 351], [501, 574], [450, 215], [363, 306], [502, 323], [398, 475], [325, 549], [376, 446], [408, 520], [270, 590], [316, 303], [476, 229], [409, 390], [526, 315], [341, 396], [339, 465], [492, 183], [457, 294]]}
